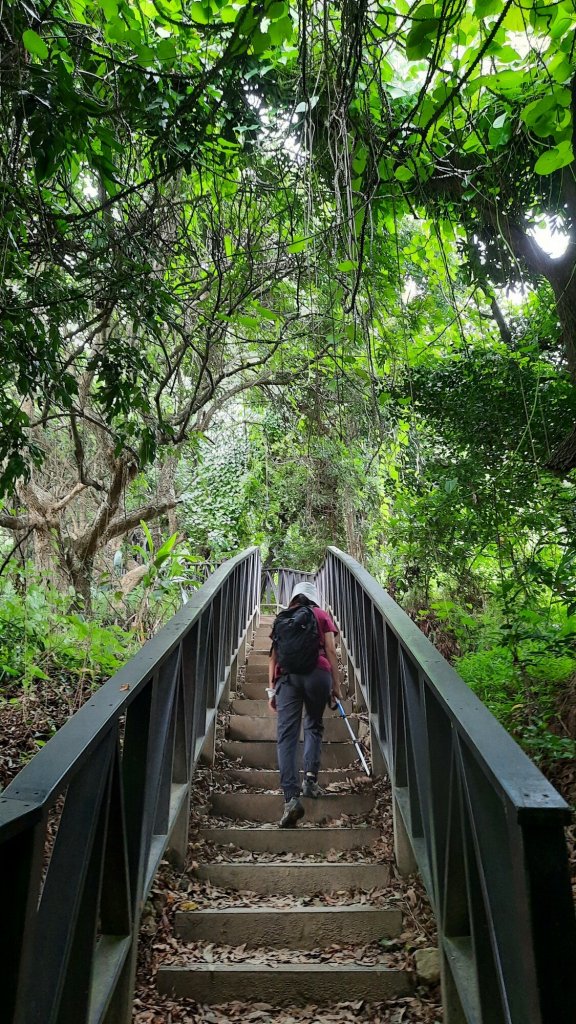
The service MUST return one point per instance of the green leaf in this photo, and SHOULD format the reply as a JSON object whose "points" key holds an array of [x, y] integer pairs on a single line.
{"points": [[260, 41], [298, 245], [516, 18], [506, 54], [166, 50], [199, 13], [418, 48], [35, 44], [403, 173], [482, 8], [281, 30], [553, 159], [560, 68], [347, 265], [145, 55], [533, 111], [506, 81], [164, 552], [359, 160], [277, 10], [252, 322], [148, 536], [265, 313], [424, 26], [387, 20], [229, 14]]}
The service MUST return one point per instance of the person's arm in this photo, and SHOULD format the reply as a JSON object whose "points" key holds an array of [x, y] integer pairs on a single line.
{"points": [[271, 677], [330, 648]]}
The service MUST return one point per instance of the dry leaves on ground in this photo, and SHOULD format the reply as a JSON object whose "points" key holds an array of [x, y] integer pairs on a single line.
{"points": [[421, 1008]]}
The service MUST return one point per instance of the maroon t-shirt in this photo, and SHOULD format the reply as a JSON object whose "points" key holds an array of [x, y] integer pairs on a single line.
{"points": [[325, 625]]}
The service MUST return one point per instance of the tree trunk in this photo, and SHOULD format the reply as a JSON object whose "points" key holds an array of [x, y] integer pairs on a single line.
{"points": [[563, 284], [354, 544], [48, 558], [81, 578]]}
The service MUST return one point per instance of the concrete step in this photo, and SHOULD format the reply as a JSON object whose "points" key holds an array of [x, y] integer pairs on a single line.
{"points": [[246, 728], [292, 984], [296, 878], [297, 928], [267, 778], [292, 840], [269, 806], [255, 689], [258, 708], [254, 707], [260, 653], [256, 674], [263, 754]]}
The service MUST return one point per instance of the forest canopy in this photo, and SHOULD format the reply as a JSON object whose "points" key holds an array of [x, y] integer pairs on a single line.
{"points": [[294, 274]]}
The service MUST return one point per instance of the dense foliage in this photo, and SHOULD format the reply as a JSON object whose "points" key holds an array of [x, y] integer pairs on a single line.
{"points": [[279, 274]]}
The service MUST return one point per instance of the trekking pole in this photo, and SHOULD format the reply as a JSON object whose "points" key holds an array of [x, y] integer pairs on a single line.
{"points": [[354, 740]]}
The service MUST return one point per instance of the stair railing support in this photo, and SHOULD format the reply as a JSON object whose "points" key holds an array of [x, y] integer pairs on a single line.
{"points": [[403, 852], [379, 766], [208, 750], [177, 849]]}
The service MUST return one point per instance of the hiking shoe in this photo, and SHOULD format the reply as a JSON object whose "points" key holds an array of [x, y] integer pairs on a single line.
{"points": [[311, 789], [293, 811]]}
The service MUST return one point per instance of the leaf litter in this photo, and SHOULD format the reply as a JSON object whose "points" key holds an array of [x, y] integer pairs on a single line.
{"points": [[173, 891]]}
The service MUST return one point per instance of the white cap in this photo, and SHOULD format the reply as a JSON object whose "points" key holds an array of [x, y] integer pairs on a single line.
{"points": [[307, 590]]}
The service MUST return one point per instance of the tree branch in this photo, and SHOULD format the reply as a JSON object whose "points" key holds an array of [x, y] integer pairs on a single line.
{"points": [[505, 332], [16, 523], [64, 502], [129, 522], [125, 470]]}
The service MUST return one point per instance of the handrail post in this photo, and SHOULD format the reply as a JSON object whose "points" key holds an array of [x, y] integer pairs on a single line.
{"points": [[379, 766], [403, 852], [208, 749], [177, 849]]}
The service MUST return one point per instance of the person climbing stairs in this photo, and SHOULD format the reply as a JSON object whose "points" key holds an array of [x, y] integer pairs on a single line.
{"points": [[309, 915]]}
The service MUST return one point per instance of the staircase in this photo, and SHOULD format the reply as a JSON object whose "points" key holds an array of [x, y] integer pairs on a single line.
{"points": [[287, 916]]}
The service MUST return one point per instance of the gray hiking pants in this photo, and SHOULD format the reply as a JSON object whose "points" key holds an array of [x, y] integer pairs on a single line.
{"points": [[294, 692]]}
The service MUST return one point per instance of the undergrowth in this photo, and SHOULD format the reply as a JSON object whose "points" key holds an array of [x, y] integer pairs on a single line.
{"points": [[44, 638], [520, 663]]}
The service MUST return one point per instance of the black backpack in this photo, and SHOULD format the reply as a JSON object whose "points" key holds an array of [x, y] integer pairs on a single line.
{"points": [[296, 640]]}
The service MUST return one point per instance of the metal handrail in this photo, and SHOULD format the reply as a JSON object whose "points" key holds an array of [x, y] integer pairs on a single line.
{"points": [[484, 825], [85, 824], [277, 586]]}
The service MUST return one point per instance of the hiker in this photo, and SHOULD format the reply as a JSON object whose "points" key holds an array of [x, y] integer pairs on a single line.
{"points": [[305, 639]]}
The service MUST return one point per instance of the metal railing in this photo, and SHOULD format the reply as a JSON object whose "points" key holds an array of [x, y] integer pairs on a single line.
{"points": [[277, 586], [484, 825], [84, 826]]}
